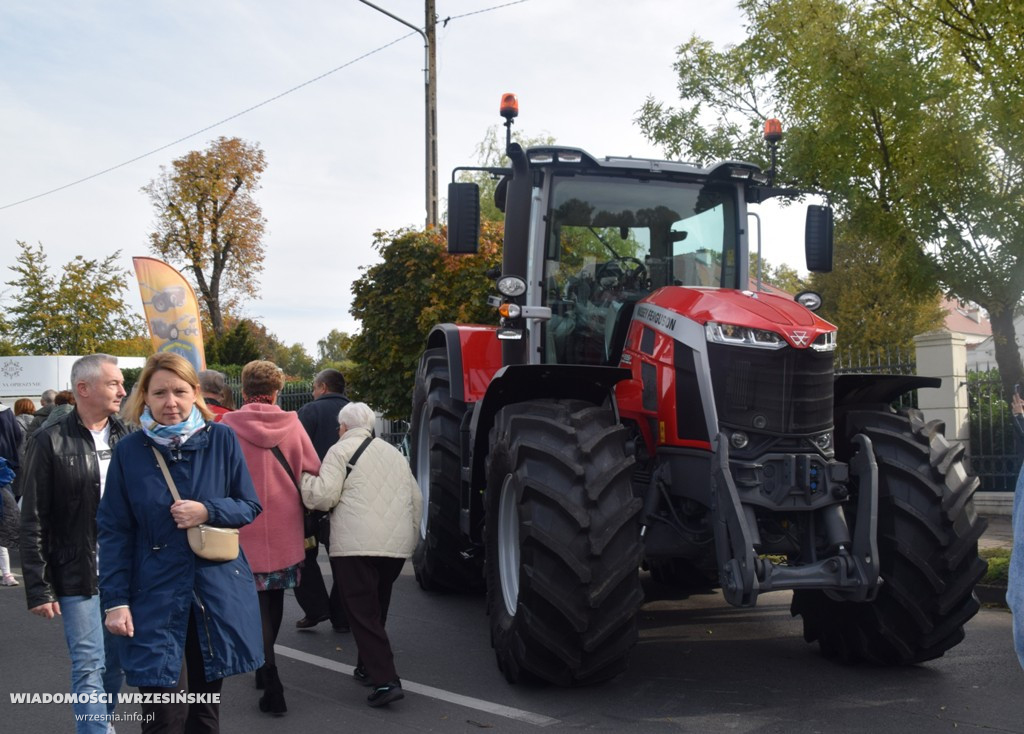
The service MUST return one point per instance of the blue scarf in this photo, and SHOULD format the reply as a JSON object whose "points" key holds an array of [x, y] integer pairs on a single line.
{"points": [[173, 436]]}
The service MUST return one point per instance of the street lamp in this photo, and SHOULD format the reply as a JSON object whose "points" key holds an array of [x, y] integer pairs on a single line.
{"points": [[430, 74]]}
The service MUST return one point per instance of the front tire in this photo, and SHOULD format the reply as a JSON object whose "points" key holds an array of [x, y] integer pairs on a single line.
{"points": [[928, 549], [435, 457], [562, 542]]}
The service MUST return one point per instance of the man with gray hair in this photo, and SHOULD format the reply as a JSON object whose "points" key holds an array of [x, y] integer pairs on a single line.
{"points": [[214, 387], [46, 401], [64, 476]]}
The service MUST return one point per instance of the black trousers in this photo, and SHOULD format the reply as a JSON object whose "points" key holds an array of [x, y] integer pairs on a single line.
{"points": [[311, 593], [366, 583], [185, 718]]}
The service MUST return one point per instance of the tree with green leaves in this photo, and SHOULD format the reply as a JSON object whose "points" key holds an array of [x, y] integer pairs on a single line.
{"points": [[238, 346], [209, 223], [333, 351], [416, 285], [906, 113], [82, 311]]}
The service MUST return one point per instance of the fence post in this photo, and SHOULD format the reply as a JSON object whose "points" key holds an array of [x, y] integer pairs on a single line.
{"points": [[943, 354]]}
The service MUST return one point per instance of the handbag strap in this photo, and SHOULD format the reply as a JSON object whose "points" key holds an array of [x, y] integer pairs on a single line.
{"points": [[167, 474], [359, 452], [276, 451]]}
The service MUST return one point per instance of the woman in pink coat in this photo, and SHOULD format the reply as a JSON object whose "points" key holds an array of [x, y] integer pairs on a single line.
{"points": [[273, 543]]}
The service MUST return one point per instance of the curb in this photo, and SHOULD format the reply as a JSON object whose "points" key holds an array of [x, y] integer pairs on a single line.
{"points": [[992, 596]]}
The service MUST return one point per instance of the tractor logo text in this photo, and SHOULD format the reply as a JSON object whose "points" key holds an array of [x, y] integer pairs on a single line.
{"points": [[657, 318]]}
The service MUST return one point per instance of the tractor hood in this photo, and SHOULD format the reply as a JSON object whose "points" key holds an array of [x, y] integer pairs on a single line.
{"points": [[797, 325]]}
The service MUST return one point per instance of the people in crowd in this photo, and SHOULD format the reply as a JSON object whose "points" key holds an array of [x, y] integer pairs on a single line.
{"points": [[63, 403], [45, 406], [216, 392], [185, 622], [64, 477], [10, 436], [273, 543], [320, 419], [24, 411], [375, 507]]}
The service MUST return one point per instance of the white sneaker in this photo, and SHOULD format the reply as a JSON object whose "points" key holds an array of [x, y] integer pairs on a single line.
{"points": [[8, 580]]}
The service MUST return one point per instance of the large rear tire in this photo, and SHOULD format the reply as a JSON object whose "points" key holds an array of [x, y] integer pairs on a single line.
{"points": [[562, 541], [439, 561], [927, 544]]}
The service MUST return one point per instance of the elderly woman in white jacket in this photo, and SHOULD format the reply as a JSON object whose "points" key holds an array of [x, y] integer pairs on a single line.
{"points": [[375, 505]]}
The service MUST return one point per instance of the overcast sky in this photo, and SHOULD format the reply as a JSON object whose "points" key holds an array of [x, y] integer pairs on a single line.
{"points": [[89, 85]]}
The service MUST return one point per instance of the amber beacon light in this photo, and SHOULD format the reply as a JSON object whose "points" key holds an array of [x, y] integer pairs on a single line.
{"points": [[772, 130], [509, 106]]}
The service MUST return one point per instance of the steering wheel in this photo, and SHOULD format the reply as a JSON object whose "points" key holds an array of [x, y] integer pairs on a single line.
{"points": [[629, 272]]}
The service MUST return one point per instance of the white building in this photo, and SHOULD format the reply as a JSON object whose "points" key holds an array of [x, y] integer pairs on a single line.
{"points": [[30, 377]]}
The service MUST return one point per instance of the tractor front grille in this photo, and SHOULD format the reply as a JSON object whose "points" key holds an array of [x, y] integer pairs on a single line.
{"points": [[781, 391]]}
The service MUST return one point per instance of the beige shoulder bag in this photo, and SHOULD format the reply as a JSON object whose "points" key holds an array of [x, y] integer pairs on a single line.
{"points": [[206, 541]]}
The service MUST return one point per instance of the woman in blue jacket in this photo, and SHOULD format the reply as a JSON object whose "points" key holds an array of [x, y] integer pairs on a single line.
{"points": [[187, 622]]}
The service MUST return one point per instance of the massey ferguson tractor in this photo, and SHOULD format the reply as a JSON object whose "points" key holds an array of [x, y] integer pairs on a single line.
{"points": [[643, 406]]}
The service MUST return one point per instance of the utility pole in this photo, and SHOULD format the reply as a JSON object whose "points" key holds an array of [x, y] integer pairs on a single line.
{"points": [[430, 82], [431, 130]]}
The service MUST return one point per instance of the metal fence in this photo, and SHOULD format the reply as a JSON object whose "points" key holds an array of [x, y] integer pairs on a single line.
{"points": [[993, 454], [888, 361], [882, 361]]}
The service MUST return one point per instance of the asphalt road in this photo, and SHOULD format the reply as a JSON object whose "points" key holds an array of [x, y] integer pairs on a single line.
{"points": [[700, 666]]}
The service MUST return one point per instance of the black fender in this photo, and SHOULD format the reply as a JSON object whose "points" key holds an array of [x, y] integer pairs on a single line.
{"points": [[865, 389], [514, 384]]}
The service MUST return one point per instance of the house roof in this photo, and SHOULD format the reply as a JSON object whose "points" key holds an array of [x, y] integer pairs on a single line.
{"points": [[965, 318]]}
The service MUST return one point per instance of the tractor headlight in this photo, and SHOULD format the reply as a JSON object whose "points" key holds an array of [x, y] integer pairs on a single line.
{"points": [[743, 336], [511, 286]]}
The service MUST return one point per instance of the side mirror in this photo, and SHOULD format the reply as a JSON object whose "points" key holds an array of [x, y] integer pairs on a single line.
{"points": [[818, 239], [463, 218]]}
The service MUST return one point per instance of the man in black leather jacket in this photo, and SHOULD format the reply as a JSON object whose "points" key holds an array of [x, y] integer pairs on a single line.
{"points": [[320, 419], [63, 478]]}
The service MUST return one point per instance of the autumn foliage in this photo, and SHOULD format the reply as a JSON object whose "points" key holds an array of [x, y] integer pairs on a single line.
{"points": [[416, 285]]}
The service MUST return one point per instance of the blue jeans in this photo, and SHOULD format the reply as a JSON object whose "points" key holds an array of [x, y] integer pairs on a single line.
{"points": [[95, 664]]}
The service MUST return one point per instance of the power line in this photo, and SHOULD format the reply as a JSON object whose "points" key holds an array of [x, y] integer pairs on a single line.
{"points": [[248, 109]]}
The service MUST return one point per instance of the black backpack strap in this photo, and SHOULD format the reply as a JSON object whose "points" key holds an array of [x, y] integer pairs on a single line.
{"points": [[276, 451]]}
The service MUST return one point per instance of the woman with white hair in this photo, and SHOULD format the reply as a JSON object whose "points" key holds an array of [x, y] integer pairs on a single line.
{"points": [[375, 506]]}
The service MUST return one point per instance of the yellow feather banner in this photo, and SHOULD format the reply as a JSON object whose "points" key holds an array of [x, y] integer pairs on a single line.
{"points": [[172, 311]]}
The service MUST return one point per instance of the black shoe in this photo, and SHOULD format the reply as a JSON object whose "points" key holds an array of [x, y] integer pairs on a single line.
{"points": [[272, 700], [385, 694], [360, 676], [305, 623]]}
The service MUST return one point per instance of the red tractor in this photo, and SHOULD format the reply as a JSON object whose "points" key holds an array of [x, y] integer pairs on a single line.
{"points": [[642, 406]]}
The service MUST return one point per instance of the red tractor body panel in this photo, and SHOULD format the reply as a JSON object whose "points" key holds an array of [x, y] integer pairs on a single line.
{"points": [[678, 314], [481, 358]]}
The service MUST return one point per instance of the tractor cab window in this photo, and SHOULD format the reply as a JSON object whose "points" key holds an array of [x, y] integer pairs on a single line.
{"points": [[611, 241]]}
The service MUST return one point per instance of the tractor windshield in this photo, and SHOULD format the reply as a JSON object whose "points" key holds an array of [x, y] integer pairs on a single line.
{"points": [[611, 241]]}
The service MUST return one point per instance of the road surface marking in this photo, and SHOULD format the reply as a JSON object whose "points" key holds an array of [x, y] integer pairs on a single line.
{"points": [[457, 698]]}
